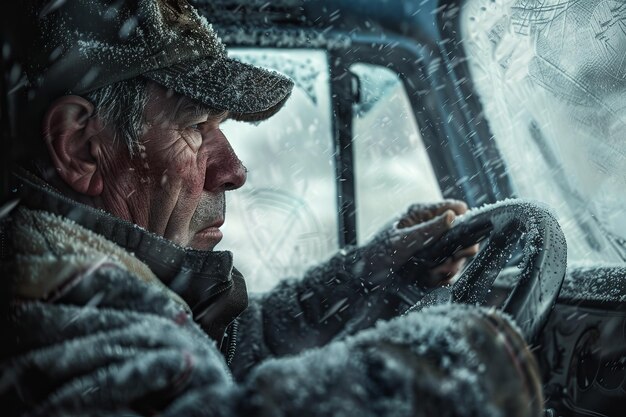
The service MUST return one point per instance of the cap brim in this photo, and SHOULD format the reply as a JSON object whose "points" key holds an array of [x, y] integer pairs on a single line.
{"points": [[249, 93]]}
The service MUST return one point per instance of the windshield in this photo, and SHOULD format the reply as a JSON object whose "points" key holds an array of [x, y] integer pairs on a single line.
{"points": [[551, 76], [287, 209]]}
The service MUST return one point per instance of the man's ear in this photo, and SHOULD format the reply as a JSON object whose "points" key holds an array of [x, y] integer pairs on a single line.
{"points": [[69, 132]]}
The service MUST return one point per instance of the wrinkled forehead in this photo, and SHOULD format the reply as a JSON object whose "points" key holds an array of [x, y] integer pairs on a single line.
{"points": [[580, 48]]}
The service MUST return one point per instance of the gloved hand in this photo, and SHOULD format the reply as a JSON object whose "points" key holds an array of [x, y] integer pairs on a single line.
{"points": [[419, 226], [446, 361], [465, 361]]}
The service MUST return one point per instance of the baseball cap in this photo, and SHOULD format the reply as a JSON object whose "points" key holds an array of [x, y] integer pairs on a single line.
{"points": [[77, 46]]}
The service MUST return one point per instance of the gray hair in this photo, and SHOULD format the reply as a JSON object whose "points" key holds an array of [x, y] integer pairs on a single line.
{"points": [[121, 106]]}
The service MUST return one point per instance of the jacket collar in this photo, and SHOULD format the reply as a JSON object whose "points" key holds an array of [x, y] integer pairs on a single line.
{"points": [[197, 276], [205, 280]]}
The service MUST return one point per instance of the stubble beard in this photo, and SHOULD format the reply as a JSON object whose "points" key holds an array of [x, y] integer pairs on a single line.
{"points": [[211, 208]]}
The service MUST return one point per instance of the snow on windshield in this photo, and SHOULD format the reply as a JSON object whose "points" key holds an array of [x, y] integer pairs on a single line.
{"points": [[391, 165], [284, 219], [552, 81]]}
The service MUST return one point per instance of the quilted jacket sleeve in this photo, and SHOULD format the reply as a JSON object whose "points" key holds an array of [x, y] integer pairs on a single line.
{"points": [[331, 301], [110, 343], [116, 346]]}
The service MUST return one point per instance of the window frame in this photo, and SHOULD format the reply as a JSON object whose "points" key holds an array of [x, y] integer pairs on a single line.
{"points": [[457, 142]]}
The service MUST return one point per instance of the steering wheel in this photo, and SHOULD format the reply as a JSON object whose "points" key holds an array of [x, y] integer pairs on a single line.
{"points": [[507, 224]]}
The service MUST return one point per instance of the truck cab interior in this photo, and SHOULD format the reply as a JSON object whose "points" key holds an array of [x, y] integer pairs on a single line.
{"points": [[514, 104], [410, 101]]}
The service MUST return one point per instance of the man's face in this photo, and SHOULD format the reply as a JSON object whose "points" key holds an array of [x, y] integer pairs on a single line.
{"points": [[176, 186]]}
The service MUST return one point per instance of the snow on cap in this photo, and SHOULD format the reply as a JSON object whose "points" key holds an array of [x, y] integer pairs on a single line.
{"points": [[82, 45]]}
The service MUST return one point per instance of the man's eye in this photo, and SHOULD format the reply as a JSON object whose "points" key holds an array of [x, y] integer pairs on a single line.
{"points": [[195, 126]]}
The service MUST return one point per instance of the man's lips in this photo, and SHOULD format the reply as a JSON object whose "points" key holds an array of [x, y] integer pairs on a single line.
{"points": [[212, 231]]}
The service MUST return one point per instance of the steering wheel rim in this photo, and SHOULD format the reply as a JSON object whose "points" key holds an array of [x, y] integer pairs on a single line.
{"points": [[543, 265]]}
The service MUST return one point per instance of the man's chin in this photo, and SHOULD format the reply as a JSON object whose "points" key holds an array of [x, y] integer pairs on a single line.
{"points": [[206, 239]]}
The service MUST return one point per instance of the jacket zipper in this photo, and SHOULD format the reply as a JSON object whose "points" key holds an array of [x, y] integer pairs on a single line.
{"points": [[232, 342]]}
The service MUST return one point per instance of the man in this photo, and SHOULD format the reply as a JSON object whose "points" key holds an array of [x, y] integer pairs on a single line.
{"points": [[118, 305]]}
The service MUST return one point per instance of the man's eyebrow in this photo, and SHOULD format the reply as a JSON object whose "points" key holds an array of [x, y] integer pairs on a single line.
{"points": [[191, 109]]}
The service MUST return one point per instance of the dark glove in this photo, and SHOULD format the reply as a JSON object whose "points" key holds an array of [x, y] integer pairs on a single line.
{"points": [[446, 361], [474, 363], [422, 224]]}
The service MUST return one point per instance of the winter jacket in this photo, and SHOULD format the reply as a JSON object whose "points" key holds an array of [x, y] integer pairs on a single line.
{"points": [[101, 317]]}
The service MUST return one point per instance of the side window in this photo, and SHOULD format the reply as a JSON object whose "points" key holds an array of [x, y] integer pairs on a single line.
{"points": [[392, 168], [284, 219]]}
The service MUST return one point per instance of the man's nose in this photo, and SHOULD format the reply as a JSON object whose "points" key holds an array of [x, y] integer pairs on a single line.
{"points": [[224, 169]]}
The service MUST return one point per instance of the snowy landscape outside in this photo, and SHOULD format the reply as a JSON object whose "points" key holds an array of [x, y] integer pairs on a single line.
{"points": [[284, 220]]}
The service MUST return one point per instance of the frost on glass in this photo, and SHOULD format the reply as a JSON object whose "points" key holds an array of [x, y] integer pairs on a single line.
{"points": [[392, 169], [284, 219], [552, 81]]}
